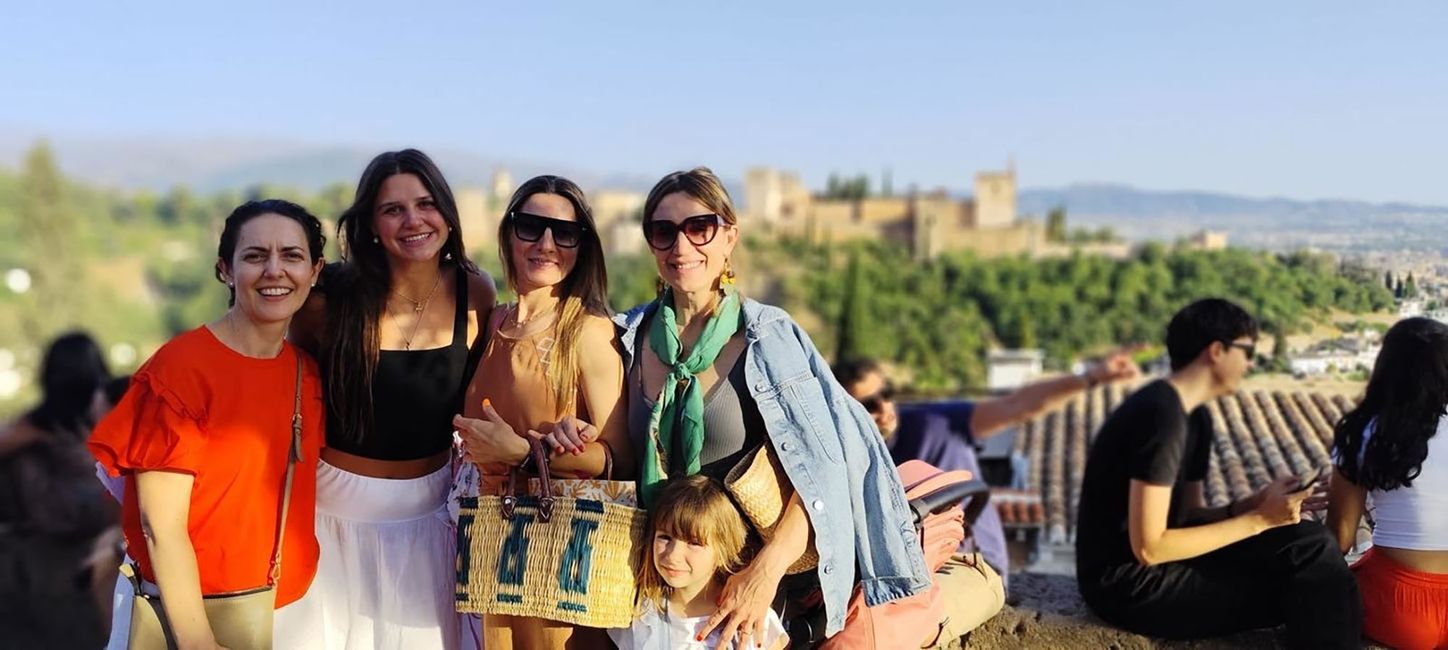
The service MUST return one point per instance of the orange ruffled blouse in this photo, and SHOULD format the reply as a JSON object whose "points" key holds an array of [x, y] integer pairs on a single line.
{"points": [[204, 409]]}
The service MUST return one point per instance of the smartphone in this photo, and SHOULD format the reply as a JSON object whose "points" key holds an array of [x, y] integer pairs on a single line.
{"points": [[1307, 480]]}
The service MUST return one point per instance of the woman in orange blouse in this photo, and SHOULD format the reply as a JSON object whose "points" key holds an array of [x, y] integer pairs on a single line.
{"points": [[203, 434]]}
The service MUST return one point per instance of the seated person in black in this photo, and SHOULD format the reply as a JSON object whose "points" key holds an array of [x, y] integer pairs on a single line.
{"points": [[1152, 558]]}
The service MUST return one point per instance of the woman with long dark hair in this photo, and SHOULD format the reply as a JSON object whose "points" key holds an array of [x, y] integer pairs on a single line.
{"points": [[205, 434], [396, 326], [1391, 454], [51, 514], [550, 356]]}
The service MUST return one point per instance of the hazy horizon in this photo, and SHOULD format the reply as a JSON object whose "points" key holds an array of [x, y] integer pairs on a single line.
{"points": [[1304, 100]]}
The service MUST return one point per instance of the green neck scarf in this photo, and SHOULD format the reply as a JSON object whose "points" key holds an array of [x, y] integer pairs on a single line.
{"points": [[676, 425]]}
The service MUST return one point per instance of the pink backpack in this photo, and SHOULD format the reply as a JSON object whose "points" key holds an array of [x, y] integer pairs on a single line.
{"points": [[934, 496]]}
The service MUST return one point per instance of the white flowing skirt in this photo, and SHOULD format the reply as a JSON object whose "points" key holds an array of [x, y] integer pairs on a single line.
{"points": [[387, 573]]}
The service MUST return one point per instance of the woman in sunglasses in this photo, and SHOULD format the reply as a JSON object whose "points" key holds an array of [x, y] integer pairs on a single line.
{"points": [[713, 376], [397, 328], [550, 356]]}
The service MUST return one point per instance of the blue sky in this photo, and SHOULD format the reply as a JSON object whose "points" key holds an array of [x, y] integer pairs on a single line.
{"points": [[1298, 99]]}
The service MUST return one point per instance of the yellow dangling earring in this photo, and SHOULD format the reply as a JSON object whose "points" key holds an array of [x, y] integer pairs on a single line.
{"points": [[728, 278]]}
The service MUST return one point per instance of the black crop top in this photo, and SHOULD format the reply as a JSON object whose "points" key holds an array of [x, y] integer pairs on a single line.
{"points": [[415, 394]]}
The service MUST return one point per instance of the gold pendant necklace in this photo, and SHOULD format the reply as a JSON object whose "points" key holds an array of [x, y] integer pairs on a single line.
{"points": [[419, 308], [417, 325], [419, 305], [518, 325]]}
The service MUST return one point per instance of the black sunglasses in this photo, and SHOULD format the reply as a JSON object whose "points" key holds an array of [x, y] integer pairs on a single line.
{"points": [[875, 404], [699, 230], [1249, 349], [530, 227]]}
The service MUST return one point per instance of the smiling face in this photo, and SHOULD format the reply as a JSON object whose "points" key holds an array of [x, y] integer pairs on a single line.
{"points": [[271, 271], [542, 263], [686, 266], [406, 219], [682, 565]]}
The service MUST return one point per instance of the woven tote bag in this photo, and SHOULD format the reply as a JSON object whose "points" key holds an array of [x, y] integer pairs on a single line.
{"points": [[565, 550]]}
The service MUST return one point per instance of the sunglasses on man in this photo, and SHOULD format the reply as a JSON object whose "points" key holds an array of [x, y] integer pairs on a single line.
{"points": [[530, 228], [875, 403], [1249, 349], [699, 230]]}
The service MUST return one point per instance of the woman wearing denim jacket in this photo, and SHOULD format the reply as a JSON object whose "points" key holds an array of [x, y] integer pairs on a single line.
{"points": [[748, 374]]}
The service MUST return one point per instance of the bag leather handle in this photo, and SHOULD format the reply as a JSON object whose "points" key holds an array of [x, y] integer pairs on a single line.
{"points": [[545, 498]]}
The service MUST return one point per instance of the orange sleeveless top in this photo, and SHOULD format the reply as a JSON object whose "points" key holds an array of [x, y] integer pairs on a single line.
{"points": [[512, 375]]}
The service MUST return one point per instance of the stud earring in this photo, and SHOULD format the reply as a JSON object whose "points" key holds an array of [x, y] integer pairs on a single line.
{"points": [[376, 240], [447, 257]]}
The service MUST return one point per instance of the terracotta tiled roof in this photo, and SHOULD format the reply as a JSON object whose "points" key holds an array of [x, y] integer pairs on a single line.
{"points": [[1018, 508], [1257, 436]]}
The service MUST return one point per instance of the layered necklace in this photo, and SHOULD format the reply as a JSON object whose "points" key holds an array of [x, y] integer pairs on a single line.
{"points": [[419, 307]]}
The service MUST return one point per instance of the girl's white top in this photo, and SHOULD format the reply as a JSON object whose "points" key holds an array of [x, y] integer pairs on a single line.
{"points": [[1414, 518], [657, 631]]}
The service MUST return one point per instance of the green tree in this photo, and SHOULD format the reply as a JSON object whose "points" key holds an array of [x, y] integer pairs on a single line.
{"points": [[1056, 224], [853, 327], [848, 189], [46, 229]]}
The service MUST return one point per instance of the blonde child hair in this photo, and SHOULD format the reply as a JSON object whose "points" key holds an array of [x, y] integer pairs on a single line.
{"points": [[697, 510]]}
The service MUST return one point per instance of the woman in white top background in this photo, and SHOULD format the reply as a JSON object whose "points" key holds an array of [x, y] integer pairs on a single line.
{"points": [[1391, 456]]}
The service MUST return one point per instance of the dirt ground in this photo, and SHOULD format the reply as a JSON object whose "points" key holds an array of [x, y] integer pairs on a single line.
{"points": [[1045, 611]]}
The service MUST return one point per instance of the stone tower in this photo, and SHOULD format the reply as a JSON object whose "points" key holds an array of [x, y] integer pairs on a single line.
{"points": [[995, 198]]}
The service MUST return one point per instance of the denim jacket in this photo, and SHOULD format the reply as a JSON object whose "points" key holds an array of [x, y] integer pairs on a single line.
{"points": [[834, 457]]}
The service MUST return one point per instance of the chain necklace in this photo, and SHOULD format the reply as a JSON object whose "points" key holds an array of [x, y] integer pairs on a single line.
{"points": [[419, 307], [518, 325], [416, 325]]}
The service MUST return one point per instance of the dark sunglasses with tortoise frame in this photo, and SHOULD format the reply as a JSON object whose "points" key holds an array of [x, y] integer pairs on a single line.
{"points": [[700, 229]]}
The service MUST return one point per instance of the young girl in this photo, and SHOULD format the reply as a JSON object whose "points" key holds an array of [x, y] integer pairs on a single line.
{"points": [[698, 542]]}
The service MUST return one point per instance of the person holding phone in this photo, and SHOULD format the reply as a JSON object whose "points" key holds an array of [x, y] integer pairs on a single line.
{"points": [[1152, 558]]}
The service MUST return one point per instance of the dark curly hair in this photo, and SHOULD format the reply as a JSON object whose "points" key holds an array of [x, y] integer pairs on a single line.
{"points": [[1405, 397], [231, 232]]}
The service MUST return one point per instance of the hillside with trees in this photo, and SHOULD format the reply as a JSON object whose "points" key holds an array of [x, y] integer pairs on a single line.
{"points": [[135, 267]]}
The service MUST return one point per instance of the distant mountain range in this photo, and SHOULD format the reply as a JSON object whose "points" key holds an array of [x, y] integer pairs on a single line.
{"points": [[1263, 222], [210, 164]]}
